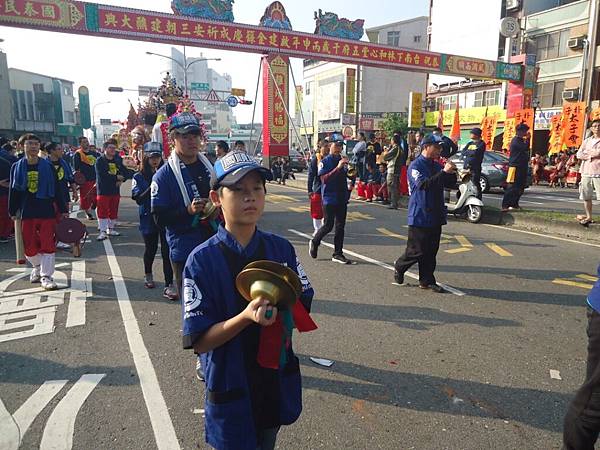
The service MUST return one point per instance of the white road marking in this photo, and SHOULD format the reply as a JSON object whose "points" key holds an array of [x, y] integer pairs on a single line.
{"points": [[26, 414], [377, 263], [41, 321], [547, 236], [9, 430], [81, 288], [164, 433], [58, 433]]}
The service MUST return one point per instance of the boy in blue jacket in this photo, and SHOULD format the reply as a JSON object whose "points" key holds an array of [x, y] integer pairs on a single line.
{"points": [[252, 382]]}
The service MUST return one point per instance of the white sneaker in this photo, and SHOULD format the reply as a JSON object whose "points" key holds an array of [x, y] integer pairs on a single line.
{"points": [[113, 232], [102, 236], [49, 284], [62, 246], [35, 275]]}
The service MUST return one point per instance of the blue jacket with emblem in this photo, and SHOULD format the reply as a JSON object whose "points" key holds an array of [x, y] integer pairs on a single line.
{"points": [[210, 297], [334, 188], [426, 181], [140, 192]]}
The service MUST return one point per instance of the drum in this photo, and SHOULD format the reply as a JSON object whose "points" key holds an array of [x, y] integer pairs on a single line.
{"points": [[71, 231]]}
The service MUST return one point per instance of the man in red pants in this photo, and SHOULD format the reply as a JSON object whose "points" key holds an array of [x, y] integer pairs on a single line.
{"points": [[110, 174], [84, 162], [33, 194]]}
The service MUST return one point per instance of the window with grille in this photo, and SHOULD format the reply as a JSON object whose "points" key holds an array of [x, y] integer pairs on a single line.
{"points": [[393, 38], [552, 45]]}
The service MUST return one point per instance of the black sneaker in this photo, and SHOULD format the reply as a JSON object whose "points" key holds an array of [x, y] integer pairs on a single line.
{"points": [[398, 277], [312, 249], [437, 289], [340, 259], [199, 373]]}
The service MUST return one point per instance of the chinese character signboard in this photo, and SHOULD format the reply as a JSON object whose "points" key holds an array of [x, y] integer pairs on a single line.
{"points": [[350, 90], [488, 127], [509, 133], [415, 110], [573, 123], [124, 23], [556, 132], [275, 118]]}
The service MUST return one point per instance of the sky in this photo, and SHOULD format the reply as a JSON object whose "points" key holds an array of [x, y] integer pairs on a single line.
{"points": [[102, 62]]}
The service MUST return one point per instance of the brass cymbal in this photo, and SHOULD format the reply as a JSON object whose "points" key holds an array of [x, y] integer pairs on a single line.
{"points": [[210, 209], [256, 283], [288, 274]]}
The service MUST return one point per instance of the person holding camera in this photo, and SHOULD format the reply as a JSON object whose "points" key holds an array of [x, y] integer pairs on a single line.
{"points": [[426, 213]]}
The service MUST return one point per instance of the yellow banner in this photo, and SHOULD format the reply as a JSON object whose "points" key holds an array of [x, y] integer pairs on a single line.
{"points": [[488, 127], [415, 110], [509, 133], [556, 132], [468, 116], [573, 121], [350, 91]]}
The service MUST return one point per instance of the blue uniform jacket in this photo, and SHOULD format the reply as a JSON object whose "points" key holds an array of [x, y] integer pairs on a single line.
{"points": [[473, 155], [335, 189], [182, 237], [209, 297], [140, 192], [594, 295], [106, 175], [426, 181]]}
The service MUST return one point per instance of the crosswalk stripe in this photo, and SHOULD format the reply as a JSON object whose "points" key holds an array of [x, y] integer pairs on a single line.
{"points": [[58, 433]]}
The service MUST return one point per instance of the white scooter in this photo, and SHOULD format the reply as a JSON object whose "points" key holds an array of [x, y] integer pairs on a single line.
{"points": [[467, 203]]}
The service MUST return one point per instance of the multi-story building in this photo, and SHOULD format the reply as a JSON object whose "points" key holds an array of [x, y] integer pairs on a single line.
{"points": [[218, 117], [6, 112], [43, 105], [334, 93]]}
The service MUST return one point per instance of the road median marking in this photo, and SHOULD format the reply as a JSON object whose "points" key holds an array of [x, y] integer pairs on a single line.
{"points": [[458, 250], [586, 277], [497, 249], [162, 425], [463, 241], [389, 233], [376, 262], [572, 283], [545, 236]]}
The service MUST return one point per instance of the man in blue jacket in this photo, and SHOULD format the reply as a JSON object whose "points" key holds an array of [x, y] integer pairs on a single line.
{"points": [[519, 159], [473, 154], [333, 171], [582, 421], [426, 213]]}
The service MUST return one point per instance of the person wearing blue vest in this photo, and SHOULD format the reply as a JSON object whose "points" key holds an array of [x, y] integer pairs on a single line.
{"points": [[582, 421], [333, 171], [140, 193], [426, 213], [253, 383]]}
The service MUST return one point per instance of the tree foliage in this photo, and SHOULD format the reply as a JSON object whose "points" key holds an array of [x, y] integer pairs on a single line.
{"points": [[394, 122]]}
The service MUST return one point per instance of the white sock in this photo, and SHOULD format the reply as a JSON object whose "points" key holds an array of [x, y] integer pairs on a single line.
{"points": [[103, 224], [35, 260], [47, 265], [317, 223], [112, 223]]}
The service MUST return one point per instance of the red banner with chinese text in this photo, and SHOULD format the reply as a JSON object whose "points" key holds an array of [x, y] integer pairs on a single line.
{"points": [[276, 94], [488, 128], [573, 123]]}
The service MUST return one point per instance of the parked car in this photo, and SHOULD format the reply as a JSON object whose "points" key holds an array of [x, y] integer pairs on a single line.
{"points": [[493, 170], [297, 160]]}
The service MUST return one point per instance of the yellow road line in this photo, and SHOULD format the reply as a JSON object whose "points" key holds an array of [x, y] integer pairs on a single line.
{"points": [[462, 240], [299, 209], [391, 234], [573, 283], [587, 277], [497, 249], [459, 250], [276, 198]]}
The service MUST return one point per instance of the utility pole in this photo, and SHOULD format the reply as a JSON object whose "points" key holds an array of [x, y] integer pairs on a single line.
{"points": [[592, 37]]}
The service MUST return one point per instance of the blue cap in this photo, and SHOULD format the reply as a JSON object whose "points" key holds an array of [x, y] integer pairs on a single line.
{"points": [[477, 131], [184, 122], [234, 166], [431, 139], [153, 148], [522, 127]]}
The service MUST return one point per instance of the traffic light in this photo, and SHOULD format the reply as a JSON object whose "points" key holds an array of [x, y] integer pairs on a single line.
{"points": [[245, 102]]}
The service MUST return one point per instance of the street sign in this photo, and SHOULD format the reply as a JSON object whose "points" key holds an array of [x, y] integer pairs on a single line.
{"points": [[232, 101], [200, 87], [212, 97], [238, 92], [509, 27]]}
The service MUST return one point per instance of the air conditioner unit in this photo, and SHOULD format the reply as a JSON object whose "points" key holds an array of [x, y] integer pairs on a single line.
{"points": [[571, 94], [576, 43], [512, 5], [429, 29]]}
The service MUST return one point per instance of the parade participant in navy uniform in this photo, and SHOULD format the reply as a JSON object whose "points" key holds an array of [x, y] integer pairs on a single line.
{"points": [[33, 195], [253, 383], [582, 421], [84, 161], [449, 147], [179, 192], [64, 173], [333, 171], [110, 174], [426, 213], [140, 193], [473, 154], [518, 165]]}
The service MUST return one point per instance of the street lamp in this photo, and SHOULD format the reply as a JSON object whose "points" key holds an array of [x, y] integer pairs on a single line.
{"points": [[535, 104], [94, 118], [185, 66]]}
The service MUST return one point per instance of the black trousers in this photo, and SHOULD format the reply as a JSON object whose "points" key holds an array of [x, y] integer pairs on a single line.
{"points": [[178, 272], [515, 190], [151, 246], [333, 214], [476, 178], [422, 247], [582, 421]]}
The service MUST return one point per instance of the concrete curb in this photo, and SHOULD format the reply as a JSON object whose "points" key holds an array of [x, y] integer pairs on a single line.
{"points": [[522, 221]]}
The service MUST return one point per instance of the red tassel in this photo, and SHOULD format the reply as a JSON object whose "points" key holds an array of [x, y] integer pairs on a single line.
{"points": [[302, 319], [269, 346]]}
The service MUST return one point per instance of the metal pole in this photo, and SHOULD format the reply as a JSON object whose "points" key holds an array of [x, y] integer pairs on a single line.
{"points": [[185, 68], [358, 97], [254, 106], [592, 37]]}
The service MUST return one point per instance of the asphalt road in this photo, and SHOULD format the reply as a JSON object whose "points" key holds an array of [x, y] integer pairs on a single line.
{"points": [[539, 197], [412, 369]]}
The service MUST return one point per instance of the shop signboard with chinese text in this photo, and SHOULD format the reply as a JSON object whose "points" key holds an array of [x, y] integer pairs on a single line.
{"points": [[573, 123], [415, 110], [350, 90]]}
